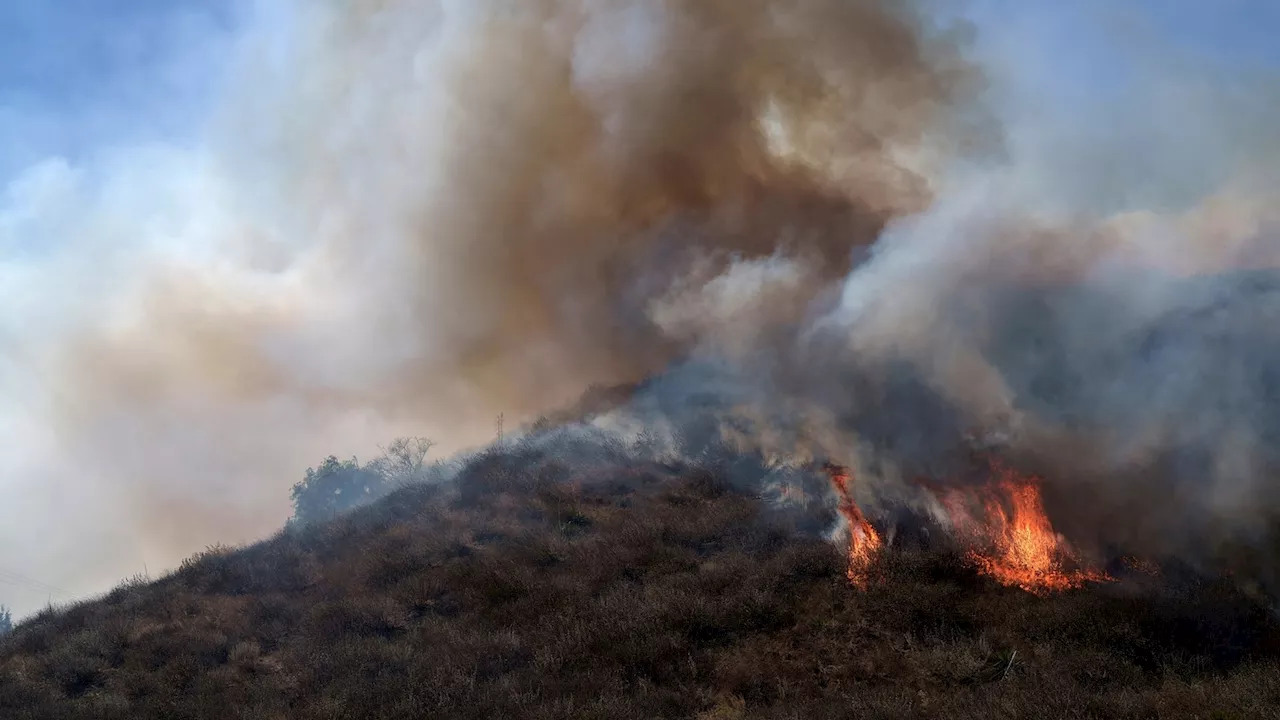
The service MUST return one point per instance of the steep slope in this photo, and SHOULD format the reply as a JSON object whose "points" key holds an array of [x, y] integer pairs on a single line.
{"points": [[610, 589]]}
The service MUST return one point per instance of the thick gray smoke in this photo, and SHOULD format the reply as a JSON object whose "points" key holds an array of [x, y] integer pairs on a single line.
{"points": [[506, 202], [1103, 301], [413, 215]]}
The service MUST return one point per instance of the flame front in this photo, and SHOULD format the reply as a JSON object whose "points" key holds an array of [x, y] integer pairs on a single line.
{"points": [[1003, 523], [1018, 546], [864, 541]]}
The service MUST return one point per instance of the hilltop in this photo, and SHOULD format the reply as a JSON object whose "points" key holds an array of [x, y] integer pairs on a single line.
{"points": [[615, 588]]}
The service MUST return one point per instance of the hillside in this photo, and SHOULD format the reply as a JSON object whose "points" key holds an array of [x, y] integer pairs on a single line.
{"points": [[621, 589]]}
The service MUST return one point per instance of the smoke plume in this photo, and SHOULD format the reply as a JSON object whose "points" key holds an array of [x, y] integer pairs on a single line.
{"points": [[414, 215], [832, 218]]}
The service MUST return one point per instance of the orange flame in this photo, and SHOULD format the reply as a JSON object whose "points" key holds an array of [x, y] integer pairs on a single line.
{"points": [[1021, 548], [864, 541], [790, 493]]}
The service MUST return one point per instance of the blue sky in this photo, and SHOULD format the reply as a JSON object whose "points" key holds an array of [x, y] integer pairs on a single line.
{"points": [[1144, 103], [77, 74], [1086, 47]]}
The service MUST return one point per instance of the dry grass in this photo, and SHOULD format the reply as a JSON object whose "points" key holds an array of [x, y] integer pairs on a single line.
{"points": [[622, 591]]}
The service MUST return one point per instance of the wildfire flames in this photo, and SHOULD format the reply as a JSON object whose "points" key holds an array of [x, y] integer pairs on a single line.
{"points": [[1017, 545], [1004, 525], [864, 541]]}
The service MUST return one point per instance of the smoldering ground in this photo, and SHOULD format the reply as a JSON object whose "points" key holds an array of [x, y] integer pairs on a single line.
{"points": [[413, 215]]}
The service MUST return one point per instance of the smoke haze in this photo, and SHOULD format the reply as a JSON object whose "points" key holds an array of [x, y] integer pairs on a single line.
{"points": [[849, 220]]}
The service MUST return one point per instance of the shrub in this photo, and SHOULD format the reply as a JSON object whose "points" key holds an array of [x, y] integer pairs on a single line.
{"points": [[334, 487]]}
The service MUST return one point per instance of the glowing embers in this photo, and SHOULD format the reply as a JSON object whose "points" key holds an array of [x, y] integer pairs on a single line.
{"points": [[1140, 565], [864, 541], [1010, 538]]}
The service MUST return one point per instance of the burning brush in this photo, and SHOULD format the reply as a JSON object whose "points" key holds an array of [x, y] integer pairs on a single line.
{"points": [[1002, 523], [864, 541], [1011, 538]]}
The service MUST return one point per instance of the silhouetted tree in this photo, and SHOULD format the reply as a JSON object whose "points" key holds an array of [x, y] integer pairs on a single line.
{"points": [[333, 487], [340, 485]]}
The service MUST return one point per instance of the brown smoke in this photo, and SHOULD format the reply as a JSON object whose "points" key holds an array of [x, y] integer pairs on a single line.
{"points": [[439, 212], [582, 181]]}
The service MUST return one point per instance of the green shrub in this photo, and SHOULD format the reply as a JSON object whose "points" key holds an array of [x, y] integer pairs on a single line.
{"points": [[335, 486]]}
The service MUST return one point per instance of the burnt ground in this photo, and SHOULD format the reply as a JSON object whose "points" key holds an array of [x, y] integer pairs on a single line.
{"points": [[611, 590]]}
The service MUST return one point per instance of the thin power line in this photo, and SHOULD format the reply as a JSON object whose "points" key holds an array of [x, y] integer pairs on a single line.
{"points": [[10, 577], [24, 578]]}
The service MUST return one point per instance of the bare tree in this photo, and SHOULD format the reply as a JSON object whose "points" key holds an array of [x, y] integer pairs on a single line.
{"points": [[402, 461]]}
